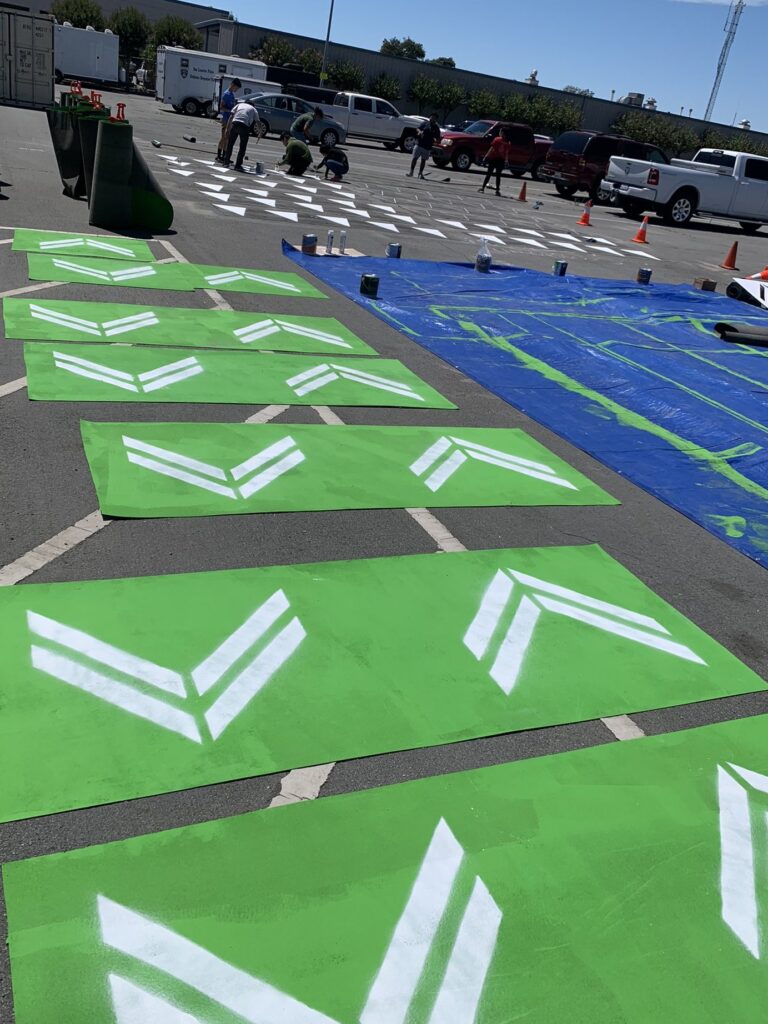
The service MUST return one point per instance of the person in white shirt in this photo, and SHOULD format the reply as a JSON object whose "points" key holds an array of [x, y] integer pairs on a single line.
{"points": [[241, 121]]}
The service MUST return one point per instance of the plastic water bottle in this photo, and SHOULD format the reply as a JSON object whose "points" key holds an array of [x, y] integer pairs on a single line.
{"points": [[329, 244], [342, 242], [483, 258]]}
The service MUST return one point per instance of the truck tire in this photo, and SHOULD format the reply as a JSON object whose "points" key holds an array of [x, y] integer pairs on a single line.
{"points": [[442, 164], [190, 107], [749, 228], [680, 208], [535, 168], [462, 160], [566, 191], [207, 110], [407, 142], [632, 208], [600, 196], [329, 137]]}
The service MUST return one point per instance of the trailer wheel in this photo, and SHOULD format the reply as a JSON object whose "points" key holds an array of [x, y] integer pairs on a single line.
{"points": [[190, 107]]}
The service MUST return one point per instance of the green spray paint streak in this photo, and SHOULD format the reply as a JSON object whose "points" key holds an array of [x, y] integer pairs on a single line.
{"points": [[624, 416]]}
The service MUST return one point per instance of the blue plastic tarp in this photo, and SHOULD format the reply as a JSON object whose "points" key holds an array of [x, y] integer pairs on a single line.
{"points": [[632, 374]]}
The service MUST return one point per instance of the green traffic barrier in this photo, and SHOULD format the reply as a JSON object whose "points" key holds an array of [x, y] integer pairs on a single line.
{"points": [[125, 193]]}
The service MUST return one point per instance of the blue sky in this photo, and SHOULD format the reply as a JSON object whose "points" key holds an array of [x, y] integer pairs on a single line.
{"points": [[664, 48]]}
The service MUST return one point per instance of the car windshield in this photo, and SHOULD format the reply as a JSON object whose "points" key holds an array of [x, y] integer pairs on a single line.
{"points": [[478, 128]]}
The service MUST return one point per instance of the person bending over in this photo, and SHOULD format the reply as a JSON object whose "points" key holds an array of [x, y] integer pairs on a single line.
{"points": [[241, 122], [334, 161], [297, 156], [301, 128]]}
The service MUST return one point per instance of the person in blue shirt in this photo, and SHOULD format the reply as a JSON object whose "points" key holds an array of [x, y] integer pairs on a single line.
{"points": [[227, 102]]}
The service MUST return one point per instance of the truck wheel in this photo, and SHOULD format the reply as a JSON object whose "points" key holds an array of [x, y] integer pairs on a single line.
{"points": [[600, 196], [566, 191], [408, 142], [442, 164], [329, 137], [390, 145], [632, 207], [680, 208], [190, 107], [462, 161], [748, 228], [535, 170], [207, 110]]}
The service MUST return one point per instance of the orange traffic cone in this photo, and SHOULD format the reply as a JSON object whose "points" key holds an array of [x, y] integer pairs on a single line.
{"points": [[762, 276], [523, 197], [583, 221], [729, 262], [642, 231]]}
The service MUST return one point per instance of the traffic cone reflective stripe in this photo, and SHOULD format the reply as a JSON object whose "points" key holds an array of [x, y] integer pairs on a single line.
{"points": [[583, 221], [762, 276], [642, 231], [729, 262]]}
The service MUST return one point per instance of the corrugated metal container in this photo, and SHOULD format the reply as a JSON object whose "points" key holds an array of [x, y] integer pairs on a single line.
{"points": [[26, 59]]}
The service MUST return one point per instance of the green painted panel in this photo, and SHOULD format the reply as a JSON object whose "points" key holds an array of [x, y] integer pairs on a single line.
{"points": [[201, 469], [124, 688], [593, 887], [73, 243], [168, 276], [141, 324], [257, 282], [113, 373]]}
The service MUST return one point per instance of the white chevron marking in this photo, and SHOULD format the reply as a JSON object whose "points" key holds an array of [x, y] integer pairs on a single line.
{"points": [[317, 377], [89, 243], [266, 328], [150, 380]]}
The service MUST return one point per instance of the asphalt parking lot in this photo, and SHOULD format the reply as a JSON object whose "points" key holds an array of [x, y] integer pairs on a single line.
{"points": [[46, 486]]}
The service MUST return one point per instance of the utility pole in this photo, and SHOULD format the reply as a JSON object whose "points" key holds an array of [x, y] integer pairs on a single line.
{"points": [[325, 48], [735, 11]]}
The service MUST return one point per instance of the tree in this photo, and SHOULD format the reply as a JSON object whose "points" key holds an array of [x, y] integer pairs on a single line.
{"points": [[483, 103], [406, 47], [173, 31], [347, 76], [276, 51], [310, 60], [80, 13], [658, 130], [386, 87], [542, 113], [132, 27], [577, 91], [449, 95], [425, 91], [446, 62]]}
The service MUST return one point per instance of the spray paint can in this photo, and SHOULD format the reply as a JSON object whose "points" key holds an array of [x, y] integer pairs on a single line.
{"points": [[644, 275], [329, 244], [259, 169], [559, 268], [342, 242], [394, 250], [369, 285], [309, 245]]}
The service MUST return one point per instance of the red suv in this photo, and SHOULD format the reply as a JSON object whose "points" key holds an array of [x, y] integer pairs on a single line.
{"points": [[462, 149], [578, 161]]}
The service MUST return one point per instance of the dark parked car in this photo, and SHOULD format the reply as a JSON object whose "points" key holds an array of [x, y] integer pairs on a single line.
{"points": [[578, 161], [468, 147]]}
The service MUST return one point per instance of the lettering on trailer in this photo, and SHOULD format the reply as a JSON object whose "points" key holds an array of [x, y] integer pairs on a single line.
{"points": [[88, 243], [448, 454], [325, 373], [743, 846], [261, 329], [217, 690], [256, 472], [229, 277], [126, 274], [106, 329], [454, 987], [522, 598], [139, 383]]}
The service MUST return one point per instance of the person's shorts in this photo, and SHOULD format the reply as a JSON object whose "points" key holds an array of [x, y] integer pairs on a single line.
{"points": [[421, 152]]}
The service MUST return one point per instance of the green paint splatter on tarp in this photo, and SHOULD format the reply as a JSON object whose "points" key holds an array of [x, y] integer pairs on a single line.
{"points": [[200, 469], [582, 887], [732, 526], [73, 243], [169, 276], [180, 277], [110, 373], [50, 320]]}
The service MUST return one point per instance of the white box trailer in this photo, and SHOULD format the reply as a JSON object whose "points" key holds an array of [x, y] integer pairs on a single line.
{"points": [[185, 77], [85, 54], [26, 59], [248, 87]]}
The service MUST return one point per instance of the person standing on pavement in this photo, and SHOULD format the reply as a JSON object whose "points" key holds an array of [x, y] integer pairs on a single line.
{"points": [[496, 161], [334, 161], [428, 137], [297, 155], [241, 122], [226, 105], [301, 128]]}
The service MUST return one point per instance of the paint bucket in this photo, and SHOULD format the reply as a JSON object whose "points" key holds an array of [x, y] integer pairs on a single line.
{"points": [[309, 245], [559, 268], [369, 286], [394, 250], [644, 275], [259, 169]]}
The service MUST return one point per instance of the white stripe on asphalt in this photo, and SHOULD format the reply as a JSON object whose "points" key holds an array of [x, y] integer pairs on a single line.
{"points": [[302, 784], [12, 386], [623, 728]]}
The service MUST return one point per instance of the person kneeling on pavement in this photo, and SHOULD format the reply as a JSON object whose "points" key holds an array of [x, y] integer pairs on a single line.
{"points": [[241, 121], [297, 155], [334, 161]]}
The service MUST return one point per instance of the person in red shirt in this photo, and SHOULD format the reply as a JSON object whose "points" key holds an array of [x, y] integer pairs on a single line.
{"points": [[496, 160]]}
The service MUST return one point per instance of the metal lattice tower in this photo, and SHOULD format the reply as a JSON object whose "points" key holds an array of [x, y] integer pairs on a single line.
{"points": [[735, 12]]}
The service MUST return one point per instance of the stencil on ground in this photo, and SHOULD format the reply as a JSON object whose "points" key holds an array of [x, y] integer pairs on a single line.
{"points": [[456, 898], [75, 244], [169, 276]]}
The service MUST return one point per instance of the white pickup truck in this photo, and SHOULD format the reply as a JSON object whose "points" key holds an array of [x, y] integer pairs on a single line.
{"points": [[720, 183], [368, 117]]}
